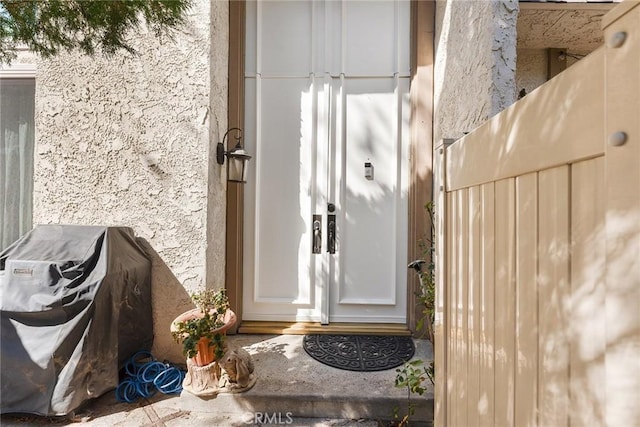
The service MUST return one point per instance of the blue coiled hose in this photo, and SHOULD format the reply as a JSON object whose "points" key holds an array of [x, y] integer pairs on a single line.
{"points": [[145, 376]]}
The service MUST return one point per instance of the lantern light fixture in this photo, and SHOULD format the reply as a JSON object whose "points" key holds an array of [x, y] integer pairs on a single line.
{"points": [[237, 156]]}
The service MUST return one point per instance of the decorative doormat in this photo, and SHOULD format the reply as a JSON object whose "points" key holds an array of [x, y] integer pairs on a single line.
{"points": [[362, 353]]}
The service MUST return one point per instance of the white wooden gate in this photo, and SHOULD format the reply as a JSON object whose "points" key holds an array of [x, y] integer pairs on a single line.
{"points": [[538, 257]]}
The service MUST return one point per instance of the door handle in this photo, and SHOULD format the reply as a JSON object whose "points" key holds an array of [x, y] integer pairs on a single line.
{"points": [[331, 234], [331, 226], [316, 238]]}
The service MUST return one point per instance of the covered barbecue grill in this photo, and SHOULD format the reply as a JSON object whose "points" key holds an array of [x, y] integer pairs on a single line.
{"points": [[75, 303]]}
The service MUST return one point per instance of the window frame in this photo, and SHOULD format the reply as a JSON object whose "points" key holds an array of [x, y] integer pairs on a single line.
{"points": [[22, 71]]}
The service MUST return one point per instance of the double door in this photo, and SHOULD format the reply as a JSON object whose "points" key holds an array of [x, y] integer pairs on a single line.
{"points": [[326, 114]]}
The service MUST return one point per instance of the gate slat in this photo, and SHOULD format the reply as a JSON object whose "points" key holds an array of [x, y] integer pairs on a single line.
{"points": [[486, 403], [526, 360], [474, 262], [554, 293], [588, 335], [505, 301]]}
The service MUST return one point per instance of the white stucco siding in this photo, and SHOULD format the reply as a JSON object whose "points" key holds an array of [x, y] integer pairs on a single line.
{"points": [[217, 201], [531, 69], [23, 57], [125, 140], [503, 48], [575, 28], [475, 63]]}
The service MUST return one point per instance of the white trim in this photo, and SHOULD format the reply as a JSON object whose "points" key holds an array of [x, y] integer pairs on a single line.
{"points": [[300, 317], [258, 157], [280, 318], [401, 226], [18, 71], [368, 319], [370, 301], [343, 38], [282, 300]]}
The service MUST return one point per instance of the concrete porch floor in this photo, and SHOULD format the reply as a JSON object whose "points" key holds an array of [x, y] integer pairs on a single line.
{"points": [[291, 389]]}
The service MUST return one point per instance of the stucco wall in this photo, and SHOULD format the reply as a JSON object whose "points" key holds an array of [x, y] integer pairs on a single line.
{"points": [[531, 70], [573, 28], [126, 141], [474, 76], [23, 56], [217, 198]]}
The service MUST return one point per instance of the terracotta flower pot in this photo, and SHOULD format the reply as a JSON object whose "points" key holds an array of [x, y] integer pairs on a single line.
{"points": [[206, 353]]}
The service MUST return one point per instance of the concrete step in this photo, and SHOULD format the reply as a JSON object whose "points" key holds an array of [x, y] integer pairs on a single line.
{"points": [[292, 389], [292, 385]]}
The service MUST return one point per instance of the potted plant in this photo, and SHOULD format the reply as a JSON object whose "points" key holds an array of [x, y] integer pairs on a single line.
{"points": [[202, 331]]}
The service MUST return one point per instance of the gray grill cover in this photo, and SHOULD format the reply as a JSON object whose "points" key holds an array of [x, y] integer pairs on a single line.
{"points": [[75, 304]]}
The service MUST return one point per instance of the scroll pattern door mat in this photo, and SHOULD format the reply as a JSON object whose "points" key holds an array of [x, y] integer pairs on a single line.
{"points": [[359, 352]]}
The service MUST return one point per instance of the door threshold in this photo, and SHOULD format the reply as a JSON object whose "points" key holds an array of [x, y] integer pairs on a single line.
{"points": [[303, 328]]}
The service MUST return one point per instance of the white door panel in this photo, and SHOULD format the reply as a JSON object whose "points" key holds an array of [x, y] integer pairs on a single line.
{"points": [[368, 234], [280, 199], [371, 48], [272, 40], [370, 269], [284, 163]]}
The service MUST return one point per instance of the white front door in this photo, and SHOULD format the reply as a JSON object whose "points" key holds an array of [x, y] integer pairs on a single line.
{"points": [[326, 114]]}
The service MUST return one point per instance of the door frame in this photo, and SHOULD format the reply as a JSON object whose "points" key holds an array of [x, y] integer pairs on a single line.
{"points": [[420, 147]]}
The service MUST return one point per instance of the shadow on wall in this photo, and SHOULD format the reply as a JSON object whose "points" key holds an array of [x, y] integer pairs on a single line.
{"points": [[169, 299]]}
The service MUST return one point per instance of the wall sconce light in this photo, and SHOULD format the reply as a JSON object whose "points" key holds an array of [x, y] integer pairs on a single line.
{"points": [[238, 157]]}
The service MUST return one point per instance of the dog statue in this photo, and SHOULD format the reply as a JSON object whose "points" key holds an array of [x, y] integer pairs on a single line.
{"points": [[238, 365]]}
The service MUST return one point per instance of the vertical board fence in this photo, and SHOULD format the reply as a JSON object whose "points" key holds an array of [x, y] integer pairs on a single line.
{"points": [[538, 254]]}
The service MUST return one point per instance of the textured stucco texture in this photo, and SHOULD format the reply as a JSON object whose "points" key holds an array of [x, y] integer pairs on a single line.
{"points": [[23, 57], [126, 140], [475, 62], [531, 70], [577, 32]]}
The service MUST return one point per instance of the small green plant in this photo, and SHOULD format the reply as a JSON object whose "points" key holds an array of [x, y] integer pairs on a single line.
{"points": [[411, 376], [215, 300], [213, 305], [426, 293]]}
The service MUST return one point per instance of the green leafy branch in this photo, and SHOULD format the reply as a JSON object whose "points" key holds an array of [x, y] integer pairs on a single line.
{"points": [[426, 294], [411, 376], [47, 27]]}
